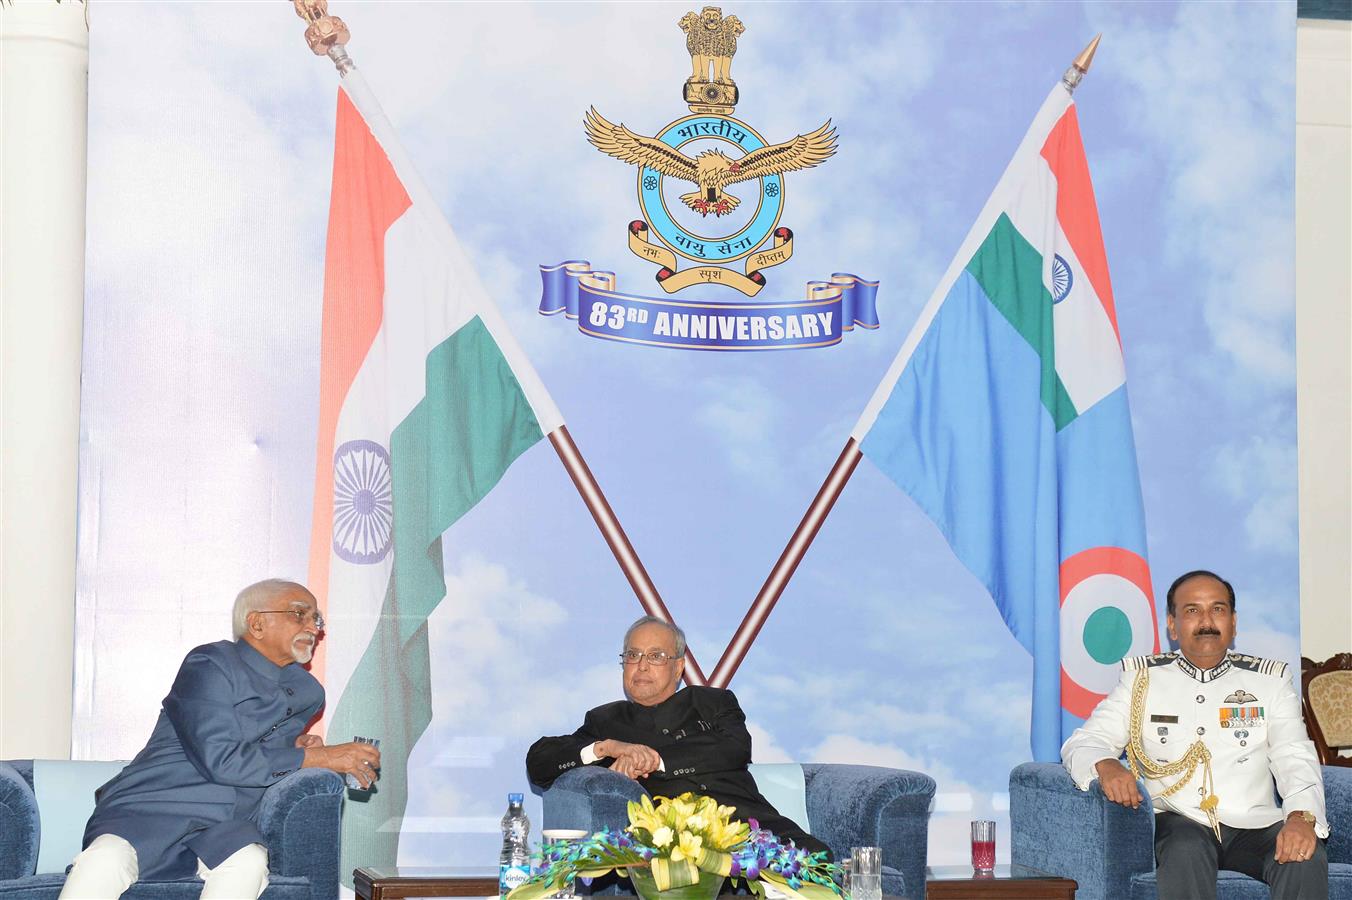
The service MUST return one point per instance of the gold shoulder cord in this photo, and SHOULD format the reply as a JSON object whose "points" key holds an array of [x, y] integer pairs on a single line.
{"points": [[1142, 766]]}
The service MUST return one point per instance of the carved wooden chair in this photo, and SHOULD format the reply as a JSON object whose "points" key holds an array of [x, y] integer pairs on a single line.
{"points": [[1326, 698]]}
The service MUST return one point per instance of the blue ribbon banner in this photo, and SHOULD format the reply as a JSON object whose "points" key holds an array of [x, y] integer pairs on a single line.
{"points": [[832, 308]]}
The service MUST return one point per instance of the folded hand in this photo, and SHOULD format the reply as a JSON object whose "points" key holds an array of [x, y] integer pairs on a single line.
{"points": [[633, 760]]}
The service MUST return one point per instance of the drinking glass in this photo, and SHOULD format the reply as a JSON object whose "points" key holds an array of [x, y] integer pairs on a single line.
{"points": [[352, 782], [983, 845], [557, 840], [866, 873]]}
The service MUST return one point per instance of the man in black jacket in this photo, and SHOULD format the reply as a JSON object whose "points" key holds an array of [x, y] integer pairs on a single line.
{"points": [[670, 741]]}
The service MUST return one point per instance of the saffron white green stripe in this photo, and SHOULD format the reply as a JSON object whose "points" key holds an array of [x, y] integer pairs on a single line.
{"points": [[445, 389]]}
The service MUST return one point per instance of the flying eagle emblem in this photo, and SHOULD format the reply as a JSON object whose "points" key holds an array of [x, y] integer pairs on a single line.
{"points": [[710, 170]]}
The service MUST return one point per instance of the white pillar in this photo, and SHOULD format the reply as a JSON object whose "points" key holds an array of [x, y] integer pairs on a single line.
{"points": [[1323, 330], [44, 101]]}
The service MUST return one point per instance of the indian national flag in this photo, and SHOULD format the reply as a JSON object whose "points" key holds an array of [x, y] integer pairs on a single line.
{"points": [[425, 400], [1005, 417]]}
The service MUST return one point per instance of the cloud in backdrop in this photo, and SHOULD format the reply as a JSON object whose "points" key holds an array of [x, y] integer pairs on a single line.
{"points": [[210, 152]]}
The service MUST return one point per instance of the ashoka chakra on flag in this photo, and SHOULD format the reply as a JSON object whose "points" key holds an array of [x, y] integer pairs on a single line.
{"points": [[1062, 278], [362, 514]]}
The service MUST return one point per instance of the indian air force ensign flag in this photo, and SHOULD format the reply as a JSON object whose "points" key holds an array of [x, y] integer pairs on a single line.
{"points": [[425, 400], [1005, 417]]}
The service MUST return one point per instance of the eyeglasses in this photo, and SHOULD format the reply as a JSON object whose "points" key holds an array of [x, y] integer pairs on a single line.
{"points": [[302, 616], [654, 657]]}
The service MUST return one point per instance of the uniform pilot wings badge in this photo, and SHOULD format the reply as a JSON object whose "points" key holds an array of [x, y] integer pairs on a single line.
{"points": [[711, 193]]}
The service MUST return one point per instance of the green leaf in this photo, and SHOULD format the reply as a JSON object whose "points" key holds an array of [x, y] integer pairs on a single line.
{"points": [[533, 890], [682, 873], [661, 869], [805, 891], [716, 862]]}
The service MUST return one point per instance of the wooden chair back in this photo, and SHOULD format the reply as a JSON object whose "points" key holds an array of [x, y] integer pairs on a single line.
{"points": [[1326, 699]]}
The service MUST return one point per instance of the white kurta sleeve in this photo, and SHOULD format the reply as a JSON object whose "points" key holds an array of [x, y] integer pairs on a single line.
{"points": [[1102, 736]]}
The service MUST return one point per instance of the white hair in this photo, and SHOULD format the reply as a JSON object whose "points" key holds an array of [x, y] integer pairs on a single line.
{"points": [[260, 596], [676, 633]]}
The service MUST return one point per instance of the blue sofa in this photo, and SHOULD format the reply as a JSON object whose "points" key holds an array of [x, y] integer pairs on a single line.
{"points": [[1110, 849], [299, 816], [845, 806]]}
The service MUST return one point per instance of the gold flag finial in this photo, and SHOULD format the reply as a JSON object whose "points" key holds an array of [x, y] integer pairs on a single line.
{"points": [[325, 34], [1087, 54], [1079, 67]]}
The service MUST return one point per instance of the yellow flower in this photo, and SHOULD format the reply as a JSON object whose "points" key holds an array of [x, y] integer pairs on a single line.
{"points": [[683, 806], [642, 815], [699, 820], [688, 847], [726, 835]]}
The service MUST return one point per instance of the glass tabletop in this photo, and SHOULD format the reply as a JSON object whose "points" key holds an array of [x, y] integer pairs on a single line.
{"points": [[999, 873], [439, 873]]}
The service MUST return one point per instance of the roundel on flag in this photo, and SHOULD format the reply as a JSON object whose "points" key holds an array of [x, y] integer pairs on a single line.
{"points": [[1107, 613]]}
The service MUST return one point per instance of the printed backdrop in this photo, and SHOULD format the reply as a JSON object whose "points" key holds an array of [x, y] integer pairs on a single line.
{"points": [[210, 154]]}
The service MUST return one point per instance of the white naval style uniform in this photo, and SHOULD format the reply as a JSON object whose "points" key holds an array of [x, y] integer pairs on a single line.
{"points": [[1246, 712]]}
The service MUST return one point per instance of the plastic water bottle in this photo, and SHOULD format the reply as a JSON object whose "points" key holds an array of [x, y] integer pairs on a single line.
{"points": [[514, 863]]}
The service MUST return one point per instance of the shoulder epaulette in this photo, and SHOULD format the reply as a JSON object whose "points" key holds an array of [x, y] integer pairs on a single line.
{"points": [[1259, 664], [1136, 663]]}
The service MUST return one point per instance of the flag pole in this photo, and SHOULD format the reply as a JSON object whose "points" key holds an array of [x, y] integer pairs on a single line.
{"points": [[827, 495], [787, 563], [327, 36], [616, 539]]}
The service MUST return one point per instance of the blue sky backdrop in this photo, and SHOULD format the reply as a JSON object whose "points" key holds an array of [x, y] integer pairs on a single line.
{"points": [[211, 130]]}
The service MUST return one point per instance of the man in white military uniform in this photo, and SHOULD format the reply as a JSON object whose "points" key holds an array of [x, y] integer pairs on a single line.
{"points": [[1209, 731]]}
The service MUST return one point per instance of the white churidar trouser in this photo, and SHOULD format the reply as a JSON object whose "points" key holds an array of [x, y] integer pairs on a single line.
{"points": [[108, 866]]}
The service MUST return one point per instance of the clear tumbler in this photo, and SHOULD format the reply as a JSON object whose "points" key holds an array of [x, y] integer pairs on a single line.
{"points": [[983, 845], [866, 873]]}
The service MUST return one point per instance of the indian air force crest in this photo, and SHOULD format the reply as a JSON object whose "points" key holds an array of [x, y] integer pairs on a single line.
{"points": [[711, 195]]}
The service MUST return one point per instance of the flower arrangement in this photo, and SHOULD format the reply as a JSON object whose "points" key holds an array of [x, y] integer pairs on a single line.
{"points": [[677, 844]]}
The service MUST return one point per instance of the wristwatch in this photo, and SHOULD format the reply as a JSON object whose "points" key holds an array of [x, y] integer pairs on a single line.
{"points": [[1306, 815]]}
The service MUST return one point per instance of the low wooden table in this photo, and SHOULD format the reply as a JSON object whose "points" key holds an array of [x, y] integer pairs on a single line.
{"points": [[1012, 882], [397, 882]]}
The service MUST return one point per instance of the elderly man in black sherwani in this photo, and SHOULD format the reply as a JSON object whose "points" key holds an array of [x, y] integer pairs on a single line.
{"points": [[670, 741], [231, 725]]}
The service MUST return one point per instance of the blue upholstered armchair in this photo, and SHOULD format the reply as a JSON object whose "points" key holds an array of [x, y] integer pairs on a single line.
{"points": [[44, 806], [844, 806], [1110, 849]]}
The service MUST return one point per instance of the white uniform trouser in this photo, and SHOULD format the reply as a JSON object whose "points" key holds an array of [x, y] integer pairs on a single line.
{"points": [[108, 866]]}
